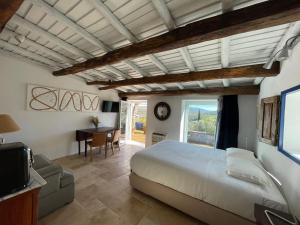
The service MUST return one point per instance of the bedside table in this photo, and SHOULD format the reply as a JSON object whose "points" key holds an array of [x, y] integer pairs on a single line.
{"points": [[261, 218], [21, 207]]}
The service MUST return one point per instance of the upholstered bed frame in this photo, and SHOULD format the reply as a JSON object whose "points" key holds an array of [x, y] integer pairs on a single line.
{"points": [[194, 207]]}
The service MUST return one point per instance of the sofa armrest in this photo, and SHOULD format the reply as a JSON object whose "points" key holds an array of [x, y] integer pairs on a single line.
{"points": [[50, 170], [66, 179], [52, 174], [40, 161]]}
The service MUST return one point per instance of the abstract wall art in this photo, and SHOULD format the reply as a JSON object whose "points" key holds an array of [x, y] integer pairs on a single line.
{"points": [[50, 99], [90, 102], [70, 101], [42, 98]]}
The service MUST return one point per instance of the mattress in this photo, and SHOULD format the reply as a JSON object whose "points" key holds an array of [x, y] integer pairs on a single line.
{"points": [[201, 173]]}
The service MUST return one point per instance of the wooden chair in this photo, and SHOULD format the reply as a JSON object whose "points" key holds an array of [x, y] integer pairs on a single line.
{"points": [[115, 139], [98, 140]]}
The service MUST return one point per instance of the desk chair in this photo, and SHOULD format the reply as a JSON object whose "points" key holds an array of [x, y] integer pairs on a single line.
{"points": [[99, 140], [115, 139]]}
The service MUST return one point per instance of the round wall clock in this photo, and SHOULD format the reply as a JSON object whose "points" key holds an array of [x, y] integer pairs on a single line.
{"points": [[162, 111]]}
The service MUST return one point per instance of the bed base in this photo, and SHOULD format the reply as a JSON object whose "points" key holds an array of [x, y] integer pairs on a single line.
{"points": [[194, 207]]}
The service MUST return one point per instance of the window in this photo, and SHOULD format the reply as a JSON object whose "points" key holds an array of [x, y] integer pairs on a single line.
{"points": [[200, 121]]}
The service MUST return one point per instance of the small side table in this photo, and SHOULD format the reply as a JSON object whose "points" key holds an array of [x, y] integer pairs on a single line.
{"points": [[21, 208], [261, 218]]}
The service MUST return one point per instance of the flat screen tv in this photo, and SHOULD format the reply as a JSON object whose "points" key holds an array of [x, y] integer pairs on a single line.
{"points": [[109, 106]]}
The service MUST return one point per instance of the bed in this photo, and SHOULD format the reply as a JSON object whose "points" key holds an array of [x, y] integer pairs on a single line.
{"points": [[194, 180]]}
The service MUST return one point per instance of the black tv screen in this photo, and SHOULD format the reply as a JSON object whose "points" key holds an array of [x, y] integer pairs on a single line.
{"points": [[109, 106]]}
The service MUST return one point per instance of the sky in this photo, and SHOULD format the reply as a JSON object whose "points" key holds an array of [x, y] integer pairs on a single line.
{"points": [[208, 107]]}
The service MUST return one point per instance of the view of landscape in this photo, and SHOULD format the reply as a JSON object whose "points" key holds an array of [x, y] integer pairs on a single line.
{"points": [[201, 127]]}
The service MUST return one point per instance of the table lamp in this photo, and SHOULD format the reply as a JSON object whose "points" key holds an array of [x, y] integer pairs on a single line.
{"points": [[7, 125], [291, 210]]}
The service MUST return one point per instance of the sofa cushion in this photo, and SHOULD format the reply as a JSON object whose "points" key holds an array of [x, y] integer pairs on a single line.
{"points": [[52, 186], [50, 170], [40, 161], [66, 179]]}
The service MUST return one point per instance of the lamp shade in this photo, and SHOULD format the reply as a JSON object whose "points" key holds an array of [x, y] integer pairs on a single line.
{"points": [[7, 124]]}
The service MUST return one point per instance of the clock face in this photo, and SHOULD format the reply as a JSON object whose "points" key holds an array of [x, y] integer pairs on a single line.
{"points": [[162, 111]]}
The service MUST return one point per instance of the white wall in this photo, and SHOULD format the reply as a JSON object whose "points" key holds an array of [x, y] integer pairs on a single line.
{"points": [[171, 126], [284, 168], [247, 121], [50, 133]]}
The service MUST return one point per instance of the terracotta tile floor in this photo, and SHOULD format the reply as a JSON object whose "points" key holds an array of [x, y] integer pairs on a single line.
{"points": [[103, 195], [139, 137]]}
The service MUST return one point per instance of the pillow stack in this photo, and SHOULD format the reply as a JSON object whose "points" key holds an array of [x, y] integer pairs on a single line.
{"points": [[242, 164]]}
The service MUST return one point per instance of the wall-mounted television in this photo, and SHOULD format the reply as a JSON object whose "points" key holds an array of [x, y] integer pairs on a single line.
{"points": [[109, 106]]}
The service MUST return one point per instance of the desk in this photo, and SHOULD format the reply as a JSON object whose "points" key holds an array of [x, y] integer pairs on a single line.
{"points": [[85, 134]]}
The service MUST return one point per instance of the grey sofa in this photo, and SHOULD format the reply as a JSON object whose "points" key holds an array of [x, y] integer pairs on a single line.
{"points": [[59, 189]]}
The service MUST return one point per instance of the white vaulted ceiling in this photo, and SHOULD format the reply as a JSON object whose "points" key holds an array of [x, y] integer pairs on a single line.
{"points": [[60, 33]]}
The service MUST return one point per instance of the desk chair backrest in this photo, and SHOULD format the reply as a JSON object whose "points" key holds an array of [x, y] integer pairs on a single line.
{"points": [[117, 135], [99, 139]]}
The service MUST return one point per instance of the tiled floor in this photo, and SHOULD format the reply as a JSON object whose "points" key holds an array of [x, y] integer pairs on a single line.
{"points": [[103, 195]]}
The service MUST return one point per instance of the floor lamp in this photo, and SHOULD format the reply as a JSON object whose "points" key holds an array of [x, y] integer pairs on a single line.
{"points": [[290, 208]]}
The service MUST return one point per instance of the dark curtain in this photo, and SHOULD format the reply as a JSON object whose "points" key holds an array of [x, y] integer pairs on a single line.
{"points": [[228, 122]]}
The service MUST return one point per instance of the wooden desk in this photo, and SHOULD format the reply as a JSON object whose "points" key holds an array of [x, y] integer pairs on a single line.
{"points": [[261, 218], [85, 134]]}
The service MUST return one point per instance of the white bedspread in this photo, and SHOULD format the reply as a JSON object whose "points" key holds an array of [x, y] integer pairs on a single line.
{"points": [[201, 173]]}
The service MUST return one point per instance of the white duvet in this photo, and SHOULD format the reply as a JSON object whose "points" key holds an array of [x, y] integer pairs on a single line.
{"points": [[201, 173]]}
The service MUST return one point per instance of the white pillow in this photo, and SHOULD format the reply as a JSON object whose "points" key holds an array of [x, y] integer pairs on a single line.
{"points": [[241, 153], [247, 168]]}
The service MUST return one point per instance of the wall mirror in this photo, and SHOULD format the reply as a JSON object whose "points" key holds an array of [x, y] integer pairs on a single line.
{"points": [[289, 131]]}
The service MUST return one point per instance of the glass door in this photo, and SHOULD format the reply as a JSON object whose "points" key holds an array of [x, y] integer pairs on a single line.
{"points": [[200, 122], [125, 120]]}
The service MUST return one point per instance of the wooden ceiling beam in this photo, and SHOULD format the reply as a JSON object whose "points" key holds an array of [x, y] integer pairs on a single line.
{"points": [[40, 47], [258, 16], [165, 14], [56, 14], [242, 90], [113, 20], [18, 20], [7, 9], [227, 6], [24, 59], [30, 54], [189, 62], [225, 73], [142, 72]]}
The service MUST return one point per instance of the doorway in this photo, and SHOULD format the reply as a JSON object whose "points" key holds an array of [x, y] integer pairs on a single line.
{"points": [[200, 122], [138, 121], [133, 119]]}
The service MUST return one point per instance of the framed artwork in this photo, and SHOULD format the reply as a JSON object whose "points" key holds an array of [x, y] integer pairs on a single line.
{"points": [[50, 99], [70, 101], [269, 120], [42, 98], [90, 102]]}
